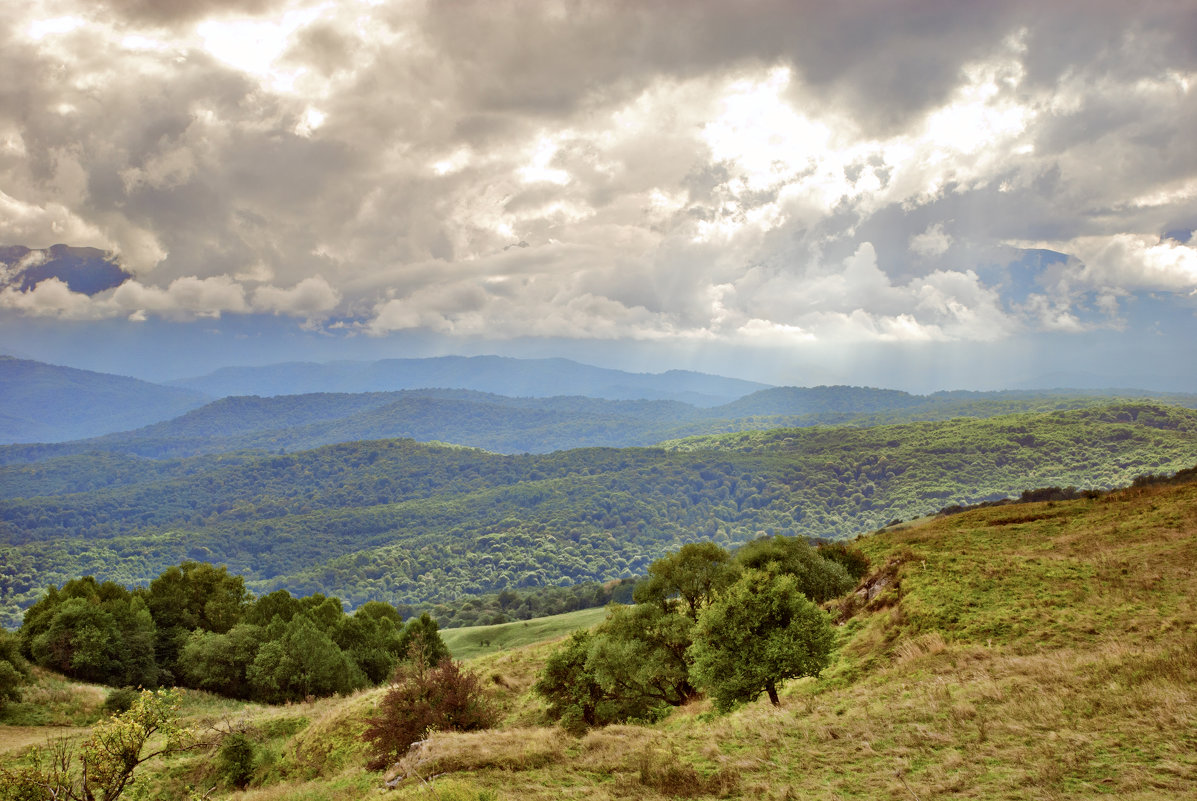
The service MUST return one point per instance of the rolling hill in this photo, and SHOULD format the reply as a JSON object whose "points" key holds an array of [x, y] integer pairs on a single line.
{"points": [[531, 424], [413, 523]]}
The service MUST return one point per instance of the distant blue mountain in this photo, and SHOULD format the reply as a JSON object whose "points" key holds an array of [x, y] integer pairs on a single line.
{"points": [[532, 378], [46, 403]]}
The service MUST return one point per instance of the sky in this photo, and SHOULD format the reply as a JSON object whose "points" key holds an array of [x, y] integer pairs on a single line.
{"points": [[916, 194]]}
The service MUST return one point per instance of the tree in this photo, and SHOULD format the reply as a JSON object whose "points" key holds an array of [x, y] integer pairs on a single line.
{"points": [[14, 671], [759, 633], [691, 577], [220, 663], [422, 697], [639, 657], [850, 557], [571, 689], [103, 766], [421, 637], [190, 596], [373, 639], [303, 662], [817, 578], [99, 633]]}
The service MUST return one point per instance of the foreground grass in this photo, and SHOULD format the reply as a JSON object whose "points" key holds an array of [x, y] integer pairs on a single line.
{"points": [[1031, 651]]}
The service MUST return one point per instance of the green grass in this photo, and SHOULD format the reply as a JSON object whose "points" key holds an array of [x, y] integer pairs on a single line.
{"points": [[474, 641]]}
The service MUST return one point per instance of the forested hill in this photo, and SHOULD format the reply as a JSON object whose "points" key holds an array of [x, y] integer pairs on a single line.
{"points": [[410, 523], [299, 422], [531, 424]]}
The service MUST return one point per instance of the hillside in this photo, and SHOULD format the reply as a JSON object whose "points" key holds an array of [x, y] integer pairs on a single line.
{"points": [[533, 424], [1036, 651], [463, 417], [413, 523], [47, 403], [494, 374]]}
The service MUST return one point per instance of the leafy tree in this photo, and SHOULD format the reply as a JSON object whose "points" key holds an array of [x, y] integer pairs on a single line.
{"points": [[692, 576], [423, 697], [303, 662], [759, 633], [190, 596], [639, 657], [421, 639], [14, 671], [571, 689], [235, 760], [817, 578], [851, 558], [103, 766], [94, 632], [372, 638], [220, 663]]}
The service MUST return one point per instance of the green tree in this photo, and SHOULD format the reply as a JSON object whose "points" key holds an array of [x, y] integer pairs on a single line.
{"points": [[98, 633], [14, 671], [421, 638], [303, 662], [220, 663], [757, 634], [639, 657], [190, 596], [372, 638], [688, 578], [817, 578]]}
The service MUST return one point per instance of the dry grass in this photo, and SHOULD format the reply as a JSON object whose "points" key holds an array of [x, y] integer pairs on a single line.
{"points": [[515, 749]]}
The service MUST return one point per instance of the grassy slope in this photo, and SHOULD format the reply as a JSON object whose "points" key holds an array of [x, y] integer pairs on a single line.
{"points": [[472, 641], [1031, 651]]}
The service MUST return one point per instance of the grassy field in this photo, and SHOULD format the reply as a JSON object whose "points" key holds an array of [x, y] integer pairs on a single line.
{"points": [[474, 641], [1031, 651]]}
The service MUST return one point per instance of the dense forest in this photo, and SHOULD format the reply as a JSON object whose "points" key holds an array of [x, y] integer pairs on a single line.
{"points": [[408, 523]]}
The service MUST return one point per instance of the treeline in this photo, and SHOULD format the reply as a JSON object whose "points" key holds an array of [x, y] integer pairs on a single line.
{"points": [[417, 524], [197, 626]]}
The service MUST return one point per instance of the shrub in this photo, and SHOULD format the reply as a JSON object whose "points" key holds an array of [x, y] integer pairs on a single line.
{"points": [[424, 698], [235, 762], [119, 700]]}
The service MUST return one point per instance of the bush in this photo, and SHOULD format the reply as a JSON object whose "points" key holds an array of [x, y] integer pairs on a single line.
{"points": [[423, 698], [235, 763], [119, 700]]}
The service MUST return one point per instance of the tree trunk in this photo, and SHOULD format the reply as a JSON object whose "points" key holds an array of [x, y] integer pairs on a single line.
{"points": [[771, 688]]}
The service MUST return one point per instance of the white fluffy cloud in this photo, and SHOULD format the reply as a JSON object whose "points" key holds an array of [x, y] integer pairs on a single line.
{"points": [[697, 173]]}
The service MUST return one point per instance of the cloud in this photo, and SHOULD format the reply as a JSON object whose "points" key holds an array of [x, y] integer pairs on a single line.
{"points": [[311, 297], [931, 243], [694, 172]]}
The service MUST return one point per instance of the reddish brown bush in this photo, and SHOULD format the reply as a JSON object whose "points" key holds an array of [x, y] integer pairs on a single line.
{"points": [[422, 698]]}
